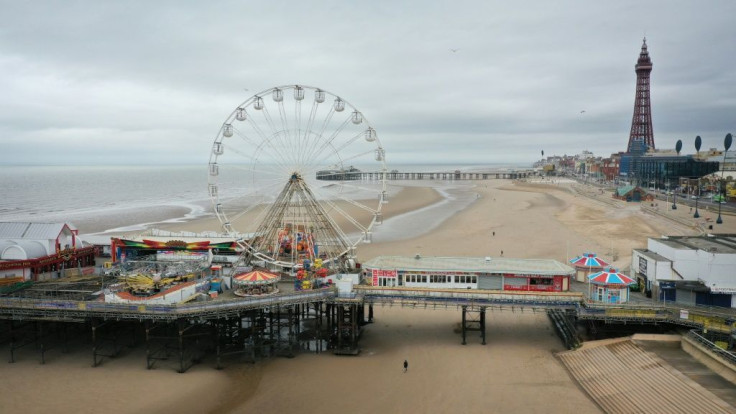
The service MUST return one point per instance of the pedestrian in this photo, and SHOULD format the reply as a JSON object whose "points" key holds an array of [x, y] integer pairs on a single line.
{"points": [[501, 252], [406, 365], [494, 233]]}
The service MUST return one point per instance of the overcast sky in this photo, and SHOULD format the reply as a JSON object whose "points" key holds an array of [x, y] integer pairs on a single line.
{"points": [[103, 82]]}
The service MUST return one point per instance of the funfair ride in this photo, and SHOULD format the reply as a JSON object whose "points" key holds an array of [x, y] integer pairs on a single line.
{"points": [[263, 178]]}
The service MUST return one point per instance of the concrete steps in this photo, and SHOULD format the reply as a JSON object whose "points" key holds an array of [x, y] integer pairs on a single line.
{"points": [[623, 378]]}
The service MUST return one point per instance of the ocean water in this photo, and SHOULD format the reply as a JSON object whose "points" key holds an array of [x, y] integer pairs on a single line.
{"points": [[56, 193], [63, 193]]}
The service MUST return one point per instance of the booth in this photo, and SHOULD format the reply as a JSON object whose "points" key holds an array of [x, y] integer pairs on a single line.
{"points": [[609, 286], [587, 264]]}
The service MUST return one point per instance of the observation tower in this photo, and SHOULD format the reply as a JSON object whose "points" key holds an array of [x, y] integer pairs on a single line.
{"points": [[641, 137]]}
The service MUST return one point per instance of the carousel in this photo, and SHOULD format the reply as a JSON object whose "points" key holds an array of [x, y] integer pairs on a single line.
{"points": [[586, 264], [609, 286], [256, 283]]}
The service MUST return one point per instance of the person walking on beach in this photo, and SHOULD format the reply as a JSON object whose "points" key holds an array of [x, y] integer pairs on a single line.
{"points": [[406, 365]]}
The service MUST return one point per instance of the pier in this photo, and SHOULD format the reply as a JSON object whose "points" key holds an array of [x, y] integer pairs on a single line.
{"points": [[457, 175], [313, 321]]}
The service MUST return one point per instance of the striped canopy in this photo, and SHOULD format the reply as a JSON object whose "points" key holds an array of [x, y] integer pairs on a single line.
{"points": [[256, 277], [588, 260], [610, 276]]}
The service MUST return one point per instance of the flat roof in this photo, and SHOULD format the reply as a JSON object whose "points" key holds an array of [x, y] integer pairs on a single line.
{"points": [[725, 244], [652, 255], [470, 264]]}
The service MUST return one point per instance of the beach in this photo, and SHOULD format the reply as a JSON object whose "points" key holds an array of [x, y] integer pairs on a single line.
{"points": [[516, 371]]}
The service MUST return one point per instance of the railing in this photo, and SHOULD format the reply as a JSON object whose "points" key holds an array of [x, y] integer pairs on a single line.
{"points": [[729, 357], [473, 298], [68, 308], [697, 317]]}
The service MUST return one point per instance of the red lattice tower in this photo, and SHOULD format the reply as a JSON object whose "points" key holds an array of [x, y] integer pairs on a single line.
{"points": [[641, 124]]}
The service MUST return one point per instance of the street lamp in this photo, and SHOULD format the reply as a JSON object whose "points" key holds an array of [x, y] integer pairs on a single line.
{"points": [[698, 142], [726, 144], [678, 147]]}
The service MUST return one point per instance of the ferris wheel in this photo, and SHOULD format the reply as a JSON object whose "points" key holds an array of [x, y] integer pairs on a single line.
{"points": [[297, 175]]}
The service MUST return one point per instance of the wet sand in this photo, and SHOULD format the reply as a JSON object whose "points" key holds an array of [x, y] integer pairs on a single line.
{"points": [[515, 372]]}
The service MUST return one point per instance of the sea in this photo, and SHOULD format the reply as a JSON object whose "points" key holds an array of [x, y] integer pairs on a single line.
{"points": [[66, 193]]}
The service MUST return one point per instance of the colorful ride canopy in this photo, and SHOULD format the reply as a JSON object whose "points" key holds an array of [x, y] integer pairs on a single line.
{"points": [[256, 277], [610, 276], [588, 260]]}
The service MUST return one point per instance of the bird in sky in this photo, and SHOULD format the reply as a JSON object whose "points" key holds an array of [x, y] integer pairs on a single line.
{"points": [[583, 111], [454, 50]]}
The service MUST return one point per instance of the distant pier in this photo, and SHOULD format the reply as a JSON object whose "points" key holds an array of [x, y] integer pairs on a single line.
{"points": [[457, 175]]}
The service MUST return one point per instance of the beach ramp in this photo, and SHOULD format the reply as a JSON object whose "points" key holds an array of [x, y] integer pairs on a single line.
{"points": [[623, 378]]}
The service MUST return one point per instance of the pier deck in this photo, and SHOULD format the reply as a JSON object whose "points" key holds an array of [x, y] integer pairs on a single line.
{"points": [[271, 325]]}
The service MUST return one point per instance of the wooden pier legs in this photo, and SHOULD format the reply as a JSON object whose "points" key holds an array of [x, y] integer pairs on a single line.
{"points": [[474, 319], [348, 329], [104, 340]]}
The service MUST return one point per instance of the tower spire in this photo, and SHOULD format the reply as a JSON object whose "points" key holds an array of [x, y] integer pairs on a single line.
{"points": [[641, 137]]}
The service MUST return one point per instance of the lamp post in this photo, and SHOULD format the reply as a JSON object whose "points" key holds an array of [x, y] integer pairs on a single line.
{"points": [[726, 144], [678, 147], [698, 142]]}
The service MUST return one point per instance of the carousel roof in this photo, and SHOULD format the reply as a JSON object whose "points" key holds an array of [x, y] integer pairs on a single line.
{"points": [[588, 260], [610, 276], [256, 277]]}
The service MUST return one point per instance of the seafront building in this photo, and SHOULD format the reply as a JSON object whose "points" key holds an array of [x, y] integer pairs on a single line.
{"points": [[691, 270], [490, 273], [42, 251]]}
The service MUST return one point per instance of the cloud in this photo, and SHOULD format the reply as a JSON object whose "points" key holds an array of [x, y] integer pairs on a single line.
{"points": [[139, 82]]}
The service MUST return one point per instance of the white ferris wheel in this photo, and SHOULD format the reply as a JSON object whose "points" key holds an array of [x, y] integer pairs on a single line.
{"points": [[295, 174]]}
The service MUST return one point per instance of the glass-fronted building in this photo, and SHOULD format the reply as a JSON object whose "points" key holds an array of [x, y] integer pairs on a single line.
{"points": [[661, 171]]}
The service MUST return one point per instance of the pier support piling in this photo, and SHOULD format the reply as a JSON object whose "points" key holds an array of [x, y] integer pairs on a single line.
{"points": [[473, 319]]}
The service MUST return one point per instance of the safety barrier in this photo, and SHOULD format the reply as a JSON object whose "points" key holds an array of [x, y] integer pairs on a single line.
{"points": [[684, 316], [468, 297], [729, 357], [67, 309]]}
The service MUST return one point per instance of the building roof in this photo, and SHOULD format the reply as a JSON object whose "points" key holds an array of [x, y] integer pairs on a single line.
{"points": [[29, 249], [719, 243], [624, 190], [470, 264], [652, 255], [31, 231]]}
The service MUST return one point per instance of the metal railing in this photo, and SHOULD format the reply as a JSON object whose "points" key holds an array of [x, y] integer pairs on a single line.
{"points": [[65, 309], [727, 356]]}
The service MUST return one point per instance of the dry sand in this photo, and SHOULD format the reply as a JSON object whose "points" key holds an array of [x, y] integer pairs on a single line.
{"points": [[515, 372]]}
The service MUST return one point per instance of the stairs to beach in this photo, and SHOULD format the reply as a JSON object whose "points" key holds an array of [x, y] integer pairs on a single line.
{"points": [[623, 378]]}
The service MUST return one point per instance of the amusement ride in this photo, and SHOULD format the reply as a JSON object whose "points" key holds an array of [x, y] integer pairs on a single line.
{"points": [[285, 182]]}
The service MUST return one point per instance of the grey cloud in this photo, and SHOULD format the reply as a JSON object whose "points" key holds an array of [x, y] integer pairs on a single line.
{"points": [[103, 77]]}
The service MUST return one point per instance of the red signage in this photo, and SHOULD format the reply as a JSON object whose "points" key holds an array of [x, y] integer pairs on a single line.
{"points": [[383, 273]]}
